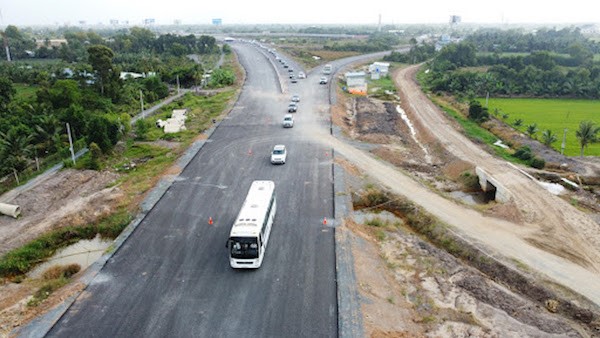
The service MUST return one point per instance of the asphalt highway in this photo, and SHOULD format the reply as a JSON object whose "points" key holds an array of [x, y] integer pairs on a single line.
{"points": [[172, 276]]}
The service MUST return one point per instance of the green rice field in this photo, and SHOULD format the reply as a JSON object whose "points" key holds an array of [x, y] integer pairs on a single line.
{"points": [[553, 114]]}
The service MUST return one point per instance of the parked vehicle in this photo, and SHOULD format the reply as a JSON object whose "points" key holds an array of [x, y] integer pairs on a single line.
{"points": [[323, 80]]}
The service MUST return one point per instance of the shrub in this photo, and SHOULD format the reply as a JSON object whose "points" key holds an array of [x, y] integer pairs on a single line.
{"points": [[141, 128], [94, 159], [469, 181], [538, 163], [524, 153], [376, 222]]}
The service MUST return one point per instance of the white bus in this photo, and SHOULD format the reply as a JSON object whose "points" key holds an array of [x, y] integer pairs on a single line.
{"points": [[250, 231], [327, 69]]}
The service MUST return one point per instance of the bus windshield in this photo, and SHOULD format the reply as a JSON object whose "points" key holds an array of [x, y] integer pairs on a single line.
{"points": [[243, 247]]}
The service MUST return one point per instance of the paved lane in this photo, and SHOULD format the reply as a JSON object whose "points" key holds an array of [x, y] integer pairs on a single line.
{"points": [[172, 277]]}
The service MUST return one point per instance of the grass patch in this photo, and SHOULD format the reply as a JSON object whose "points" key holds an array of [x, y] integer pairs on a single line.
{"points": [[380, 235], [478, 134], [46, 290], [378, 88], [201, 111], [552, 114], [24, 92], [377, 222]]}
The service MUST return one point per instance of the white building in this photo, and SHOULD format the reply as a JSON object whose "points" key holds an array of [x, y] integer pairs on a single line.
{"points": [[379, 67], [355, 79], [356, 83]]}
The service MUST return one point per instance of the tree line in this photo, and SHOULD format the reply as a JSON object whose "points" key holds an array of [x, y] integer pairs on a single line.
{"points": [[567, 70], [83, 88], [538, 74]]}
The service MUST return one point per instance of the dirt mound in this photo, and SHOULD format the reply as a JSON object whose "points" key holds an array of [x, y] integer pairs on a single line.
{"points": [[68, 197]]}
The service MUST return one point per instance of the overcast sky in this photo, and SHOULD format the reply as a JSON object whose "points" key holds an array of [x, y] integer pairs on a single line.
{"points": [[36, 12]]}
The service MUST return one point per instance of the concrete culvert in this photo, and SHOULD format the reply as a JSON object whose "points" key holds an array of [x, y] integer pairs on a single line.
{"points": [[10, 210]]}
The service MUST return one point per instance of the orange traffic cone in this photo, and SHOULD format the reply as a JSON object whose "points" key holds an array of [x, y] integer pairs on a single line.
{"points": [[324, 220], [210, 221]]}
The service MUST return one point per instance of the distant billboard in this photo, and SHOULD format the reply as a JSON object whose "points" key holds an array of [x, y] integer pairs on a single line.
{"points": [[217, 22]]}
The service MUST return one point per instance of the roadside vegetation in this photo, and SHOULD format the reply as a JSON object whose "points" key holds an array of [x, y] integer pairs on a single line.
{"points": [[139, 164], [80, 82], [539, 84]]}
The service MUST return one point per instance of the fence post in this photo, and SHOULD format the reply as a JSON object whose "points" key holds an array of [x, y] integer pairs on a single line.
{"points": [[16, 176]]}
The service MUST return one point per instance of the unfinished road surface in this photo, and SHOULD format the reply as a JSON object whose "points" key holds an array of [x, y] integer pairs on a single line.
{"points": [[172, 276]]}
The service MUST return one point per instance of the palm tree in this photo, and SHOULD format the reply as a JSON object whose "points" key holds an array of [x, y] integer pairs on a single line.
{"points": [[518, 123], [48, 135], [548, 137], [531, 130], [16, 149], [587, 133]]}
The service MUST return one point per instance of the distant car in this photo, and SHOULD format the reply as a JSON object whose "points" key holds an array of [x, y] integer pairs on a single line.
{"points": [[295, 98], [301, 75], [288, 121], [290, 70], [279, 154], [292, 107], [323, 80], [285, 65], [294, 80], [291, 75]]}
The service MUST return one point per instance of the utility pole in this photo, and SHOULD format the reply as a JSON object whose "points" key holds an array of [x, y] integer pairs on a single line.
{"points": [[177, 84], [142, 103], [71, 143], [564, 142], [6, 48]]}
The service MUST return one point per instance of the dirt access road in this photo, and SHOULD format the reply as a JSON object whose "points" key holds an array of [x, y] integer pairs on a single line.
{"points": [[550, 236], [547, 221]]}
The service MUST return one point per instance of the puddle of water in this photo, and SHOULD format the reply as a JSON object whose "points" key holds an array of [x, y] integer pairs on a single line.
{"points": [[362, 217], [413, 132], [84, 253], [553, 188], [471, 198]]}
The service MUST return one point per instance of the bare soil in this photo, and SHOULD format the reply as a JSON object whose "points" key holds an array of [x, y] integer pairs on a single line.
{"points": [[65, 198], [533, 218], [412, 289], [69, 197]]}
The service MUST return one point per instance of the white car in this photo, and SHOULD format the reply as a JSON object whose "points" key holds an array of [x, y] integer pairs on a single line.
{"points": [[301, 75], [323, 80], [288, 121], [295, 98], [279, 154]]}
